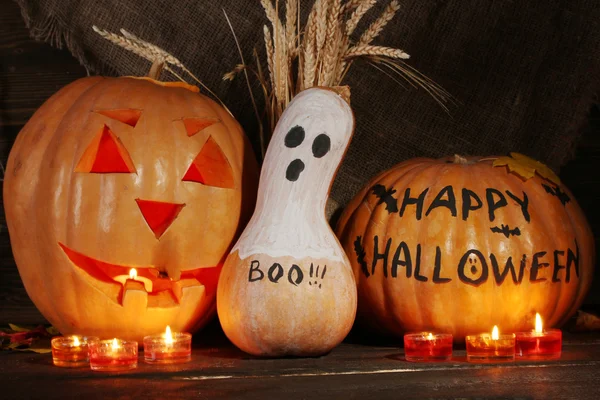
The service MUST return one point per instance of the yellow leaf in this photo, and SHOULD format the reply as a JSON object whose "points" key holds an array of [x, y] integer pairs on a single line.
{"points": [[17, 328], [52, 331], [526, 167], [39, 350]]}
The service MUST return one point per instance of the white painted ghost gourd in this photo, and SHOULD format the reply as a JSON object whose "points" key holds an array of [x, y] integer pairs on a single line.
{"points": [[287, 287]]}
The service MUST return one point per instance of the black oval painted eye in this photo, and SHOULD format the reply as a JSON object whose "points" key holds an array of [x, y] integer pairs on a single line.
{"points": [[294, 137], [321, 145], [294, 170]]}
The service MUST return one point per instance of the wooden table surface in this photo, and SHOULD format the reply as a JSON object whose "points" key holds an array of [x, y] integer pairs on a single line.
{"points": [[31, 71], [353, 370]]}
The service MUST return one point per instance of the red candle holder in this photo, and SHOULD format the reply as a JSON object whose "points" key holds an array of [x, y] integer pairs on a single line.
{"points": [[71, 351], [427, 346], [168, 348], [539, 345], [486, 347], [113, 355]]}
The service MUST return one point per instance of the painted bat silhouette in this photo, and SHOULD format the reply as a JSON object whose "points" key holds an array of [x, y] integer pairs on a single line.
{"points": [[385, 196], [557, 191], [506, 231]]}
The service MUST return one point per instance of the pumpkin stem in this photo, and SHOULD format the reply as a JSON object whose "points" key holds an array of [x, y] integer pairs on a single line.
{"points": [[156, 69], [458, 159], [343, 91]]}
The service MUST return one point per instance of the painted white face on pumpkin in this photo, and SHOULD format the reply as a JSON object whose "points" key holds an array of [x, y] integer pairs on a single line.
{"points": [[303, 155], [309, 142], [321, 145]]}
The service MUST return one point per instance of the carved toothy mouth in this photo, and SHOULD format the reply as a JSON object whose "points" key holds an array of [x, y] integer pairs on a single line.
{"points": [[161, 291]]}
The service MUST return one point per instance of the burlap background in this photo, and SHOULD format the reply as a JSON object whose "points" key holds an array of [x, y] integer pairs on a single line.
{"points": [[523, 72]]}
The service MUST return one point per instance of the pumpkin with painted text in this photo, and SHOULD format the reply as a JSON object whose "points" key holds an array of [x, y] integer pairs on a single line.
{"points": [[463, 244]]}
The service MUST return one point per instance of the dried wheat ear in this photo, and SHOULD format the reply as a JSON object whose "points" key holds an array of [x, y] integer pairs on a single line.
{"points": [[321, 52]]}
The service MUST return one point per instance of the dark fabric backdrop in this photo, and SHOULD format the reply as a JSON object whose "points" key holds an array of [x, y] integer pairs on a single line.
{"points": [[523, 73]]}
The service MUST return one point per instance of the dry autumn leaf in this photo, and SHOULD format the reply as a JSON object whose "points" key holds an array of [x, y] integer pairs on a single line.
{"points": [[41, 346], [526, 167], [19, 338], [17, 328], [586, 322]]}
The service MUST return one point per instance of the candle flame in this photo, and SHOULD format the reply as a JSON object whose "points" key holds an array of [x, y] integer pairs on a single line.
{"points": [[538, 323], [132, 273], [429, 336], [115, 344], [76, 341], [168, 335], [495, 333]]}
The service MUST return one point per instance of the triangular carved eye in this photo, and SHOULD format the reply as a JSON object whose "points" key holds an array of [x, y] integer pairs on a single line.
{"points": [[127, 116], [211, 167], [197, 125], [106, 154]]}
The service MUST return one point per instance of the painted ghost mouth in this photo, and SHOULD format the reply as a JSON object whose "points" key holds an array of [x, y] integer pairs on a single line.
{"points": [[160, 290], [294, 170]]}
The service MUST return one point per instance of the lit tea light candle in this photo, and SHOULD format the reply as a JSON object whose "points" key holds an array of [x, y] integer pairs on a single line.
{"points": [[168, 348], [113, 355], [134, 279], [428, 346], [71, 351], [539, 343], [490, 347]]}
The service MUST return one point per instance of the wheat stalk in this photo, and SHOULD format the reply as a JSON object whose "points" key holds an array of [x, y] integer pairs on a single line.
{"points": [[281, 66], [260, 125], [361, 9], [376, 27], [154, 54], [127, 44], [323, 50], [309, 47], [153, 49], [291, 14], [342, 62], [272, 14], [351, 5], [229, 76], [330, 48], [369, 50], [334, 37], [280, 50], [321, 22], [269, 51]]}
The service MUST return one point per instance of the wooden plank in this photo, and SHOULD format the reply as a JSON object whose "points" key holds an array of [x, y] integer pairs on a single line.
{"points": [[349, 371], [30, 72]]}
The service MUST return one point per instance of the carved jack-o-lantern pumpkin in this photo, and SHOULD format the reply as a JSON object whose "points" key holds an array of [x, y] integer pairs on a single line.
{"points": [[112, 174]]}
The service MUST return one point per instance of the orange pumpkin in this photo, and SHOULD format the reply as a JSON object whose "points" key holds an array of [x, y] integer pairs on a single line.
{"points": [[462, 245], [112, 174], [287, 288]]}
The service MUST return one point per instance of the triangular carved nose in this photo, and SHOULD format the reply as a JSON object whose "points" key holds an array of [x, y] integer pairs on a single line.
{"points": [[159, 215]]}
